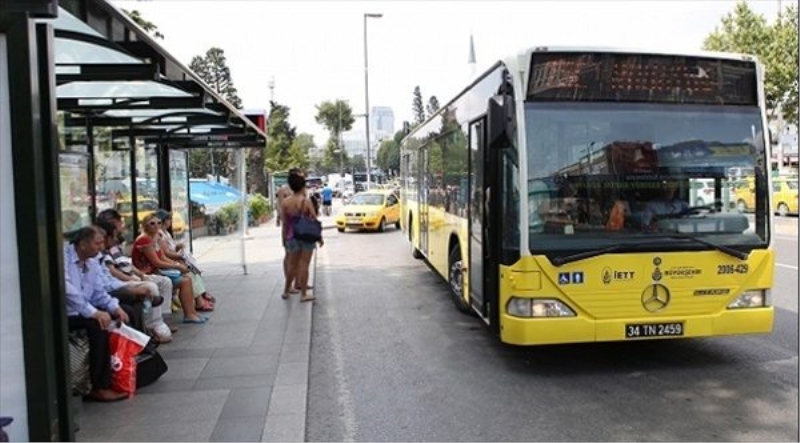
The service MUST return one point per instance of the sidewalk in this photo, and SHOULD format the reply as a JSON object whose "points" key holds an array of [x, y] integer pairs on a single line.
{"points": [[243, 376]]}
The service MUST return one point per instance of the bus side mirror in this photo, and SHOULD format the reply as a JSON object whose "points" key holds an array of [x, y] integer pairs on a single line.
{"points": [[498, 131]]}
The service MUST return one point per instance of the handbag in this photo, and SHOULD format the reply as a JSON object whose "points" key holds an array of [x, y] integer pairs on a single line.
{"points": [[79, 362], [150, 366], [308, 229]]}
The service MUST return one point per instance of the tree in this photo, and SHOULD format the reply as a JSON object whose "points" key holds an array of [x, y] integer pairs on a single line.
{"points": [[148, 26], [213, 69], [334, 159], [775, 46], [433, 105], [336, 117], [417, 107], [388, 158], [280, 138]]}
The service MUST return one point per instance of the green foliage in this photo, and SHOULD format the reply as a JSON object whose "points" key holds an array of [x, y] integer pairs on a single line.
{"points": [[358, 163], [388, 158], [336, 117], [775, 46], [259, 206], [280, 138], [334, 159], [228, 215], [200, 162], [213, 69], [416, 107], [148, 26], [433, 105]]}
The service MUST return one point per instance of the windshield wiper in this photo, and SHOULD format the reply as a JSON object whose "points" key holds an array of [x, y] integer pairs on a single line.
{"points": [[558, 261], [722, 248]]}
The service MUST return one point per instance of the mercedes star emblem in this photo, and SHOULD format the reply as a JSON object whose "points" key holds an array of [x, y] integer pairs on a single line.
{"points": [[655, 297]]}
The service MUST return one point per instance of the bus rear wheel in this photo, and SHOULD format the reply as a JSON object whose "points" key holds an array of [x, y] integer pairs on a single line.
{"points": [[455, 279]]}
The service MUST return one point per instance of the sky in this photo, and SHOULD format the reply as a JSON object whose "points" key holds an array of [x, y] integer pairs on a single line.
{"points": [[314, 50]]}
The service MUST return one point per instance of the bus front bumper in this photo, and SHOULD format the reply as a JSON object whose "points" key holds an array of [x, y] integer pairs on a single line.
{"points": [[541, 331]]}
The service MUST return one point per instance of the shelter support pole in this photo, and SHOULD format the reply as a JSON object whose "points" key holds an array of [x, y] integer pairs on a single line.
{"points": [[243, 218]]}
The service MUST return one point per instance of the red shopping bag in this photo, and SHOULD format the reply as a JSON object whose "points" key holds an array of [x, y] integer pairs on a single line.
{"points": [[125, 343]]}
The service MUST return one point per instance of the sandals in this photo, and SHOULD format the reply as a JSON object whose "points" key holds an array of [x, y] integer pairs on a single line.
{"points": [[205, 306], [286, 295], [307, 298], [208, 297], [197, 321]]}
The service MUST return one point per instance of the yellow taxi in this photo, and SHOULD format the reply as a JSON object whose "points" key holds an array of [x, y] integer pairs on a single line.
{"points": [[370, 210], [744, 194], [148, 206], [784, 195]]}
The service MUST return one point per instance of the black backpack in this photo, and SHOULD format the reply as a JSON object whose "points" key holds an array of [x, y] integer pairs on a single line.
{"points": [[150, 366]]}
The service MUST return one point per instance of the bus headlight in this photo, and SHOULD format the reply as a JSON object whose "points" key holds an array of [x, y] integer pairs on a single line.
{"points": [[754, 298], [538, 307]]}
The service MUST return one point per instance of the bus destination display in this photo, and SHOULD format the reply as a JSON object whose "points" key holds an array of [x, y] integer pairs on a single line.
{"points": [[641, 78]]}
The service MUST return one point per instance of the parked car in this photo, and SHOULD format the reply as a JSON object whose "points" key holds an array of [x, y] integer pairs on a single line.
{"points": [[744, 194], [784, 195], [370, 210], [703, 191]]}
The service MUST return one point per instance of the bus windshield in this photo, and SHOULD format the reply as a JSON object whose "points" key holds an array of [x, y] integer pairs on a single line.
{"points": [[609, 174]]}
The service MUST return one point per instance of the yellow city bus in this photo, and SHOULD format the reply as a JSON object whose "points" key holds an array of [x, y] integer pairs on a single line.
{"points": [[553, 195]]}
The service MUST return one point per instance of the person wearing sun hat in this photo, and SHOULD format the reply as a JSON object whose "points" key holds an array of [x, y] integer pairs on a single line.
{"points": [[176, 251]]}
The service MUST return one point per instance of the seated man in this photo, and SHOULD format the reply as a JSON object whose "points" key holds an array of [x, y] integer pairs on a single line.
{"points": [[90, 307], [133, 291], [667, 204], [111, 221]]}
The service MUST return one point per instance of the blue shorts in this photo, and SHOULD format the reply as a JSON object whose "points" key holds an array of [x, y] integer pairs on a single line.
{"points": [[294, 245], [173, 274]]}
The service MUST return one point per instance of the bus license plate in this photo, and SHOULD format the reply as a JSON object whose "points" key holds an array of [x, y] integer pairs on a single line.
{"points": [[654, 330]]}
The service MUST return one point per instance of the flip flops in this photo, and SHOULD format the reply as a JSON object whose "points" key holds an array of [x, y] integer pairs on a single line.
{"points": [[198, 321]]}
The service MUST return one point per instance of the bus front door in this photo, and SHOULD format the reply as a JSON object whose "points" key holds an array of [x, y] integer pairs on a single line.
{"points": [[478, 205]]}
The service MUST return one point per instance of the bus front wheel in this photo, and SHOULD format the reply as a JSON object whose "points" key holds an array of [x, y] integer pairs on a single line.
{"points": [[455, 278]]}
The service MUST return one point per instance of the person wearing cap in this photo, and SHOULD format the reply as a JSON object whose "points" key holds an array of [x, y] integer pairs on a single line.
{"points": [[176, 251]]}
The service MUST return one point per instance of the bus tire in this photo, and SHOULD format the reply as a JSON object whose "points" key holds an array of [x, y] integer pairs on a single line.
{"points": [[397, 224], [741, 206], [382, 225], [455, 280], [783, 209], [340, 229]]}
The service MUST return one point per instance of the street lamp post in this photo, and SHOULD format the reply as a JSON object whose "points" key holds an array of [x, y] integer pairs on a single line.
{"points": [[366, 95]]}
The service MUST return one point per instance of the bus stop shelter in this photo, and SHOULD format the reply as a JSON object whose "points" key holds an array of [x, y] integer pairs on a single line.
{"points": [[93, 112]]}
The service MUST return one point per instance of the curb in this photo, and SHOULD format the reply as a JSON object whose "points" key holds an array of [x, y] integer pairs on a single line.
{"points": [[288, 402]]}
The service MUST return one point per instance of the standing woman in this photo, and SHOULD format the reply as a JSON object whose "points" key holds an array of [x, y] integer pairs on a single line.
{"points": [[298, 252], [149, 258]]}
